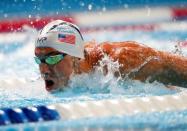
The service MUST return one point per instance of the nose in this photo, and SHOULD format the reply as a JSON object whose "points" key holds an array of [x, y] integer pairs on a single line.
{"points": [[44, 70]]}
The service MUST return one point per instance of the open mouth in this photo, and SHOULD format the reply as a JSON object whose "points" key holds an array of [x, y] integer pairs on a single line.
{"points": [[49, 84]]}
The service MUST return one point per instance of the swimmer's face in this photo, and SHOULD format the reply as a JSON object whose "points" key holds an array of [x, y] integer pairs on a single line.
{"points": [[55, 76]]}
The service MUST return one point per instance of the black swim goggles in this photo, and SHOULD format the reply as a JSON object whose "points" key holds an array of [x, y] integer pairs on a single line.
{"points": [[50, 60]]}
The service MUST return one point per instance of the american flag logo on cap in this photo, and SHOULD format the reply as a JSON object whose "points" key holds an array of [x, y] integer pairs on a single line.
{"points": [[66, 38]]}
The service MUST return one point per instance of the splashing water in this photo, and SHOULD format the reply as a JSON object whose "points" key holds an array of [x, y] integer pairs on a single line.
{"points": [[100, 82], [19, 83]]}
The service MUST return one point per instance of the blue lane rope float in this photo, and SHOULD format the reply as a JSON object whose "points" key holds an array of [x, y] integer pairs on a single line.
{"points": [[32, 114], [28, 114], [48, 113], [4, 119], [16, 115], [102, 108]]}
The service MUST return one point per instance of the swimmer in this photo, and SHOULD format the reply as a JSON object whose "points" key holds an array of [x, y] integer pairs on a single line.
{"points": [[61, 53]]}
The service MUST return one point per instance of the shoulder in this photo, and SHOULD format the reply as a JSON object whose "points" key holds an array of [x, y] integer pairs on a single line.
{"points": [[93, 52], [94, 48]]}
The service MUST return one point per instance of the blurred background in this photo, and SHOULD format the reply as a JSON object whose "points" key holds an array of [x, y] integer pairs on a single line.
{"points": [[36, 13], [20, 8]]}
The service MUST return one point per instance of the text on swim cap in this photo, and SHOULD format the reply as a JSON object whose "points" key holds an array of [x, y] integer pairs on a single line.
{"points": [[41, 41], [65, 30]]}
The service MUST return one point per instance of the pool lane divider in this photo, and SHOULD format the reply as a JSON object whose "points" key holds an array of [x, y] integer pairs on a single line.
{"points": [[28, 114], [99, 19], [90, 109], [12, 25]]}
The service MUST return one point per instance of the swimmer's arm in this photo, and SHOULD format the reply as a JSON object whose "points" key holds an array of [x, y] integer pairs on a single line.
{"points": [[175, 68], [178, 64], [167, 68]]}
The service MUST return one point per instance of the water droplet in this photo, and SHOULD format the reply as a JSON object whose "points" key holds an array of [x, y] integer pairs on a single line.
{"points": [[126, 6], [5, 15], [82, 3], [30, 16], [89, 7], [148, 11], [104, 9]]}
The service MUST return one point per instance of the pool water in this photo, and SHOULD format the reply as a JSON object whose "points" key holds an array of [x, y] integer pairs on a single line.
{"points": [[21, 84]]}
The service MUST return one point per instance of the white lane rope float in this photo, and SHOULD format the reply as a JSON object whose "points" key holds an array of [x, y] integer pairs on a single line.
{"points": [[125, 106], [96, 108]]}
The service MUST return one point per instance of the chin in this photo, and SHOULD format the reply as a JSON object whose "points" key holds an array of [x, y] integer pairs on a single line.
{"points": [[54, 86]]}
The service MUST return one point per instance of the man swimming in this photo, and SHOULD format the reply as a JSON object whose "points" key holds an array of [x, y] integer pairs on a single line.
{"points": [[61, 53]]}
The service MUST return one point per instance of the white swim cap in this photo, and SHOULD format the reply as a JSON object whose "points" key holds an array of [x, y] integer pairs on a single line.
{"points": [[62, 36]]}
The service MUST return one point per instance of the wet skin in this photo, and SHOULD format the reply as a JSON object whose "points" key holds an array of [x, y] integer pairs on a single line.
{"points": [[141, 62], [164, 67], [55, 76]]}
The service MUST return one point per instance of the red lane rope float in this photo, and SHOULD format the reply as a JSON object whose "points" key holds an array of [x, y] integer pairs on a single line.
{"points": [[38, 23], [179, 13]]}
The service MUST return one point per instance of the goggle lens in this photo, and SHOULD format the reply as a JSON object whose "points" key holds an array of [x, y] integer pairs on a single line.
{"points": [[37, 60], [53, 59], [50, 60]]}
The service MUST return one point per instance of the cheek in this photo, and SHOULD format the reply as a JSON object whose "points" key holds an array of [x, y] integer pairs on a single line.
{"points": [[64, 68]]}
